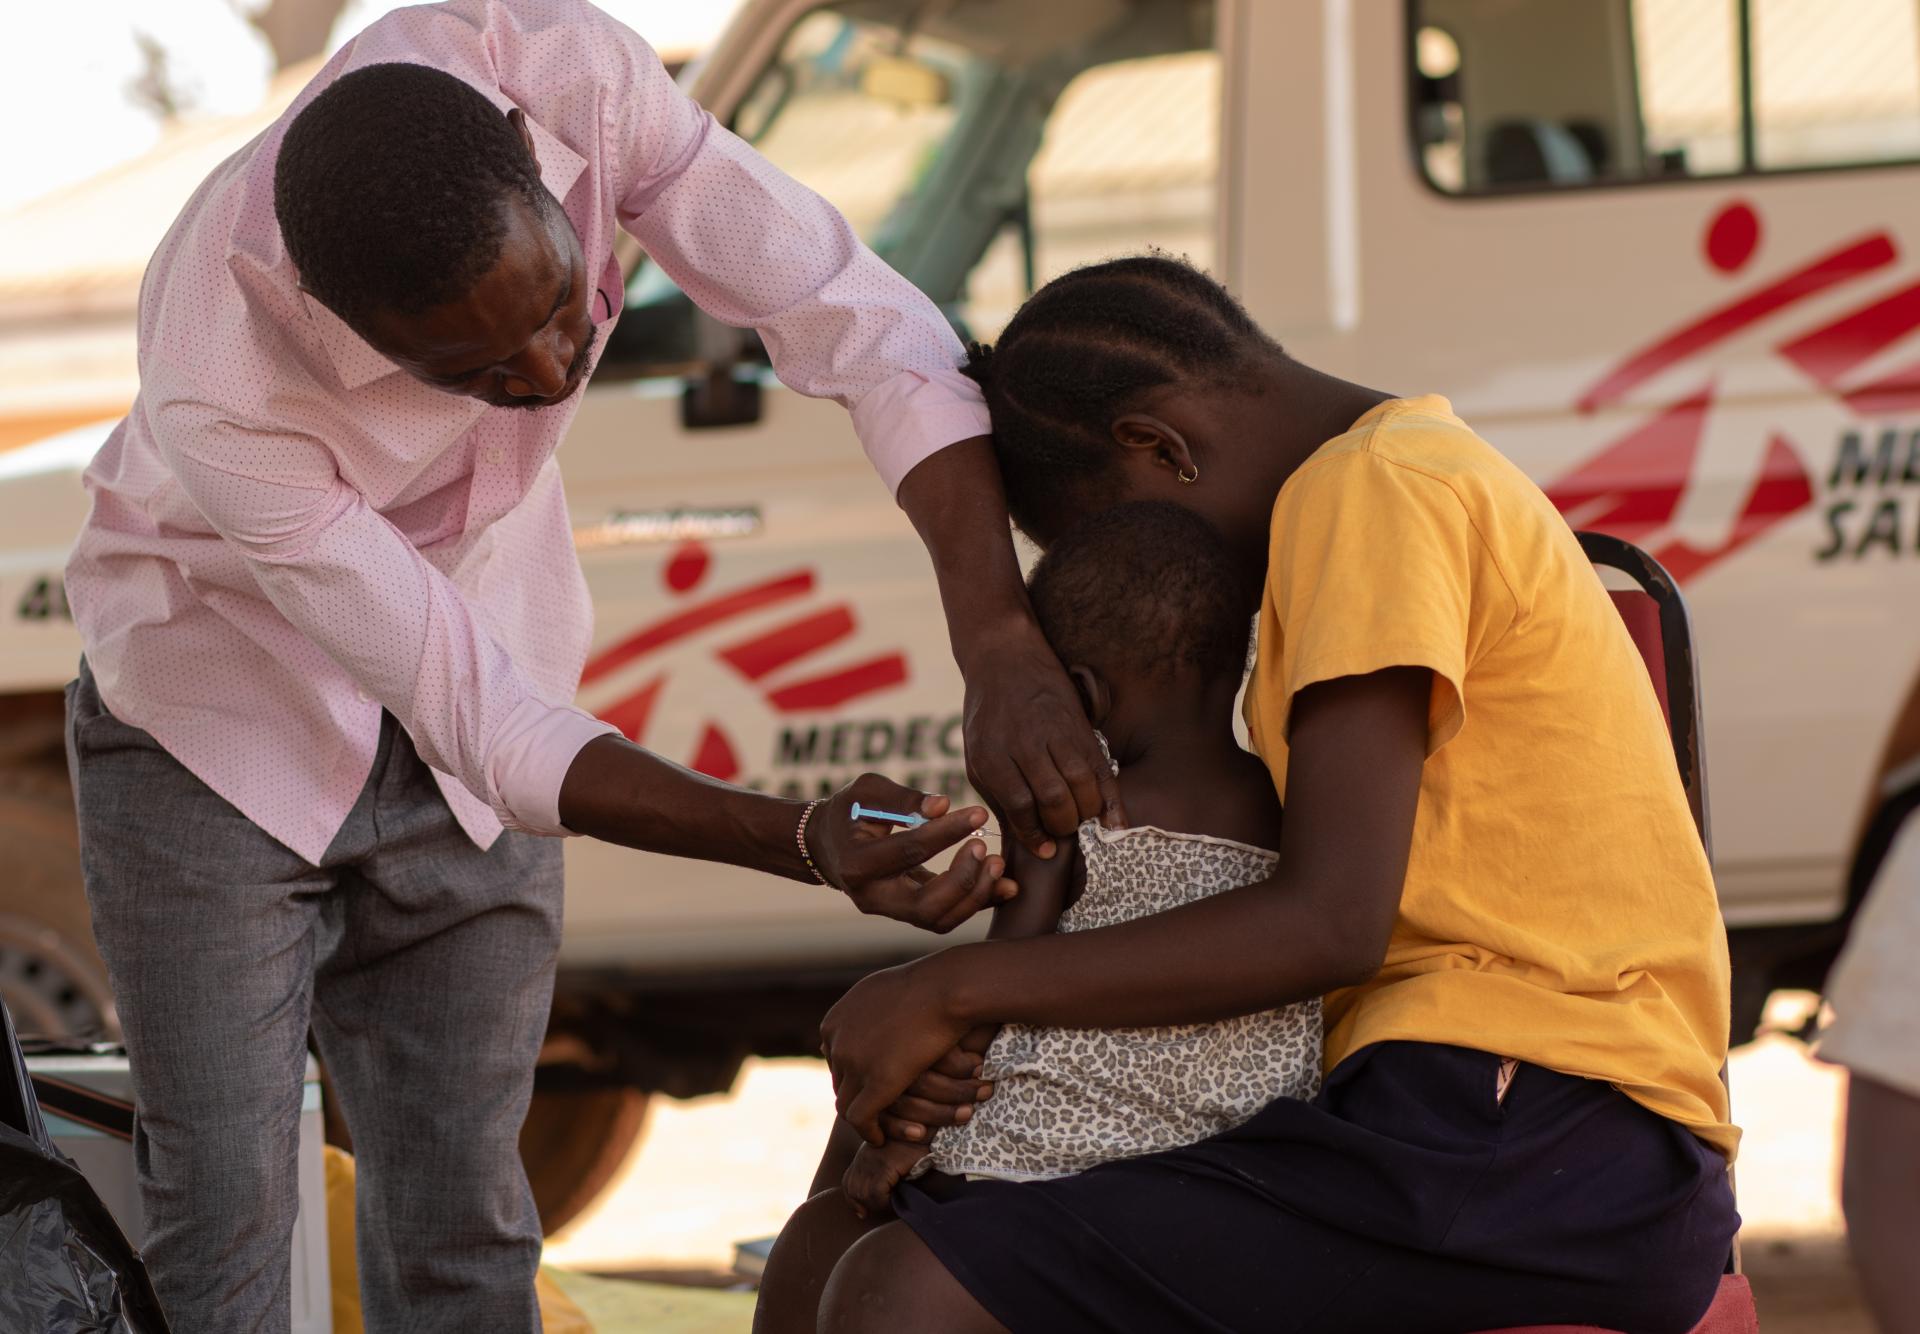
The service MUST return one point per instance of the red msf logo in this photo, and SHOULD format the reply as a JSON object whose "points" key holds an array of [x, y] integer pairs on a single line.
{"points": [[763, 657], [1633, 486]]}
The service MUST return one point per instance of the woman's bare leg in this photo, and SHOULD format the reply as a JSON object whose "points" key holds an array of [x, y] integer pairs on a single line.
{"points": [[889, 1281], [810, 1245]]}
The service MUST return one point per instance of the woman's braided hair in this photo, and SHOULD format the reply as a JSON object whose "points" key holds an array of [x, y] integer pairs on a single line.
{"points": [[1081, 352]]}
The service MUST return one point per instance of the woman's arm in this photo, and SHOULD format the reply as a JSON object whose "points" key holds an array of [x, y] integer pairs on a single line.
{"points": [[1358, 745], [935, 1098], [1322, 921]]}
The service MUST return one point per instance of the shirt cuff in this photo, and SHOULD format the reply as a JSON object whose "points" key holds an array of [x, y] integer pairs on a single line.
{"points": [[914, 415], [529, 759]]}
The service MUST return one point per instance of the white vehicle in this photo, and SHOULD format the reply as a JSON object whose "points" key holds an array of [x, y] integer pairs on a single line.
{"points": [[1655, 250]]}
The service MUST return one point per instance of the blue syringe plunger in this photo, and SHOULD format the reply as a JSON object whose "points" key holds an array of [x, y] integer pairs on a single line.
{"points": [[891, 817]]}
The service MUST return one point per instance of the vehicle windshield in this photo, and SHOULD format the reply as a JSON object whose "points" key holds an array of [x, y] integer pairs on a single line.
{"points": [[984, 149]]}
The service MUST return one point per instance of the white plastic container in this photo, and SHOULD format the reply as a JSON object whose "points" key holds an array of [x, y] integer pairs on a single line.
{"points": [[108, 1165]]}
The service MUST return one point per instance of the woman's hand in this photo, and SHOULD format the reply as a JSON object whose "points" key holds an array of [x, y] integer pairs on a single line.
{"points": [[945, 1095], [882, 1036], [882, 869]]}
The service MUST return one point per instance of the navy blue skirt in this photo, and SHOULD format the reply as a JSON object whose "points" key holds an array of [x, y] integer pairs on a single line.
{"points": [[1404, 1199]]}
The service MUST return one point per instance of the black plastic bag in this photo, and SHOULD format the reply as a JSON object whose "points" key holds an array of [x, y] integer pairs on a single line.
{"points": [[65, 1266]]}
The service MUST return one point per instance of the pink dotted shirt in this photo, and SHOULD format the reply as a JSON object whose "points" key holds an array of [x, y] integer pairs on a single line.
{"points": [[289, 534]]}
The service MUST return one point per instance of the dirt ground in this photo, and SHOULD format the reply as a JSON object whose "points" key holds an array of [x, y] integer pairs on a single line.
{"points": [[714, 1171]]}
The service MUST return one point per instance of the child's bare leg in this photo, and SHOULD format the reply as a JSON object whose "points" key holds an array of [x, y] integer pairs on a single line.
{"points": [[874, 1173], [842, 1144], [810, 1245]]}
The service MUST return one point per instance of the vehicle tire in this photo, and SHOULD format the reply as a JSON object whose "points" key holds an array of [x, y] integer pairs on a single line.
{"points": [[51, 976], [573, 1143]]}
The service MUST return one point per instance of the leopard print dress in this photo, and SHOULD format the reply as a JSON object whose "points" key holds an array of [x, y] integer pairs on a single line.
{"points": [[1066, 1099]]}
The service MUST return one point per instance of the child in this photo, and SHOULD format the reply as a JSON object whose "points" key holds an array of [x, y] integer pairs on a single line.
{"points": [[1143, 606]]}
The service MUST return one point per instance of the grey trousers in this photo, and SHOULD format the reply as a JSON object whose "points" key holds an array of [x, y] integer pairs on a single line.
{"points": [[425, 968]]}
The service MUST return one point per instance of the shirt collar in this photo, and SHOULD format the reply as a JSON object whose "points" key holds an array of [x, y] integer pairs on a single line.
{"points": [[560, 166], [354, 359]]}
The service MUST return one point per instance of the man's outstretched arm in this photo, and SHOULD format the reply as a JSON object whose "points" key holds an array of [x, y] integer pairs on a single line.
{"points": [[755, 248]]}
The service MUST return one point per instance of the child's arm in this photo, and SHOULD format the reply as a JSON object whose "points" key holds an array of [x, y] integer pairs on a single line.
{"points": [[1047, 886]]}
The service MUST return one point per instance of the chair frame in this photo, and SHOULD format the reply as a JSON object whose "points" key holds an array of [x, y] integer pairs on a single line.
{"points": [[1682, 665]]}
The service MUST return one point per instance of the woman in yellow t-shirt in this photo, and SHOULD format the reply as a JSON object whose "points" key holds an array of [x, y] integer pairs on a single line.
{"points": [[1488, 870]]}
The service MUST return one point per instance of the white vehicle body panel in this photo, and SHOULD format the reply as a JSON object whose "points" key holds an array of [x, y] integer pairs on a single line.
{"points": [[769, 611]]}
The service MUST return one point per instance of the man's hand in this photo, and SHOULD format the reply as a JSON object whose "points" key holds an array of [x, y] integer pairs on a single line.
{"points": [[1030, 749], [625, 794], [883, 869]]}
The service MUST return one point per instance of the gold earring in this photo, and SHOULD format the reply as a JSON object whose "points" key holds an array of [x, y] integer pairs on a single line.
{"points": [[1189, 474]]}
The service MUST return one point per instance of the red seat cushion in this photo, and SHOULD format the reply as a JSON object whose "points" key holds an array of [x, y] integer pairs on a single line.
{"points": [[1731, 1313], [1642, 615]]}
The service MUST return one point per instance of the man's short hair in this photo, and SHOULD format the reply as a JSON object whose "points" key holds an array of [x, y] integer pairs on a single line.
{"points": [[390, 188]]}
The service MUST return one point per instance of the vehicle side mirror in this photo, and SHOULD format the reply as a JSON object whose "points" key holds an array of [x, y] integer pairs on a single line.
{"points": [[715, 394]]}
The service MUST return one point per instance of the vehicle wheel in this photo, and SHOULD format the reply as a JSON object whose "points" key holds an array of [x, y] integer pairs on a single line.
{"points": [[573, 1142], [51, 976]]}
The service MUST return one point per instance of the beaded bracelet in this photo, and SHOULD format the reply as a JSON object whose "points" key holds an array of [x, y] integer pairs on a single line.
{"points": [[800, 840]]}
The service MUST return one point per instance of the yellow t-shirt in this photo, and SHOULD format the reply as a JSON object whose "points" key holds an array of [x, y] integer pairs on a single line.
{"points": [[1558, 906]]}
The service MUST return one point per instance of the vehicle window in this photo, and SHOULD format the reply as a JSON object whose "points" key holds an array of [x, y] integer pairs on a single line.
{"points": [[981, 150], [1831, 90], [850, 108], [848, 111], [1129, 161], [1542, 94], [1686, 74]]}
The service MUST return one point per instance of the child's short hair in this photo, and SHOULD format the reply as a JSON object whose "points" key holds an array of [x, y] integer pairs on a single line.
{"points": [[1145, 588]]}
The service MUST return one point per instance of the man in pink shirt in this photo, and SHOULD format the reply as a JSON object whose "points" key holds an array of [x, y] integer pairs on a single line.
{"points": [[334, 624]]}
